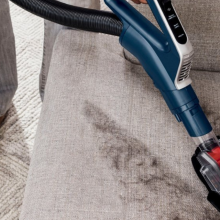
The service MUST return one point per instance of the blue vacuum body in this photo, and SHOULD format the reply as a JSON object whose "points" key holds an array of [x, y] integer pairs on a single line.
{"points": [[167, 57], [159, 54]]}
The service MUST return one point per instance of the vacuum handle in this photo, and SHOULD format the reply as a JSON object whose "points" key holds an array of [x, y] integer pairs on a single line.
{"points": [[131, 17]]}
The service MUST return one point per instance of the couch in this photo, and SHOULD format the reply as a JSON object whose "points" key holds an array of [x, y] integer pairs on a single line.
{"points": [[107, 146]]}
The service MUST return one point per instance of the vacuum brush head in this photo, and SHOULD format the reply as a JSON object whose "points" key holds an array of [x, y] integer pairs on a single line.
{"points": [[206, 162]]}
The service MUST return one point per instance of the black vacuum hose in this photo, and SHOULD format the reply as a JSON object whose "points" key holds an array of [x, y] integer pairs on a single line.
{"points": [[74, 17]]}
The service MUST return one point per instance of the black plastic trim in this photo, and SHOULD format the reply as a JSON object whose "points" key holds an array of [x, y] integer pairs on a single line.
{"points": [[173, 21], [213, 197]]}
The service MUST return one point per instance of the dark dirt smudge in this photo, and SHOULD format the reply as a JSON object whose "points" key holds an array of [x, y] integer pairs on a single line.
{"points": [[138, 171]]}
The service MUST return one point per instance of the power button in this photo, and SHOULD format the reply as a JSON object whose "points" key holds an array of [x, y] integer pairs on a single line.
{"points": [[164, 2]]}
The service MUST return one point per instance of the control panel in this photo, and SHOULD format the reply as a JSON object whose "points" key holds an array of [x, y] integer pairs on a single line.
{"points": [[173, 21]]}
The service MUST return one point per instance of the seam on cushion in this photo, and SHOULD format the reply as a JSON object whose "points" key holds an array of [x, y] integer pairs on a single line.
{"points": [[206, 71], [129, 60], [195, 69], [44, 75]]}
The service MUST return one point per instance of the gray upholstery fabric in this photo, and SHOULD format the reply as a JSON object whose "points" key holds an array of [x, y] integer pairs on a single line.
{"points": [[201, 20], [50, 34], [8, 71], [107, 146]]}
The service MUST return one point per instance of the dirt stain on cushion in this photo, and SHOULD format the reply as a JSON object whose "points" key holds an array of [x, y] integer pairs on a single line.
{"points": [[144, 179]]}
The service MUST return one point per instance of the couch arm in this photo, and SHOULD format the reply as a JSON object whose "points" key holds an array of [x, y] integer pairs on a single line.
{"points": [[51, 31]]}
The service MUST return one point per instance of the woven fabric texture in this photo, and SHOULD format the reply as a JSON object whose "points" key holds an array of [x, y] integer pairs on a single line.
{"points": [[50, 33], [107, 146]]}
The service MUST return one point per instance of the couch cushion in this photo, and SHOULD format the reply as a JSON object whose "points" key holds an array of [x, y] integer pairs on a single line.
{"points": [[107, 146], [201, 20], [51, 30]]}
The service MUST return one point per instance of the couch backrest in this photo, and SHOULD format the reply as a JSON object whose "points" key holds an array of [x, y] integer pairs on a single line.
{"points": [[201, 19]]}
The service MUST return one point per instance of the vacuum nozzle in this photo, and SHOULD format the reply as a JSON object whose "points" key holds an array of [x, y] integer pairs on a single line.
{"points": [[206, 162]]}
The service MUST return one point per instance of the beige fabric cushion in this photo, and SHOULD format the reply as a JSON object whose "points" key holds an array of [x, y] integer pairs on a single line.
{"points": [[50, 33], [107, 146], [201, 20]]}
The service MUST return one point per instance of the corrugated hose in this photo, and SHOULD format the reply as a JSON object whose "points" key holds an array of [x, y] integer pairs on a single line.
{"points": [[74, 17]]}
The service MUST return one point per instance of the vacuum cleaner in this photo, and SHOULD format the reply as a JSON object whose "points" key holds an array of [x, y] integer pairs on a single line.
{"points": [[166, 57]]}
